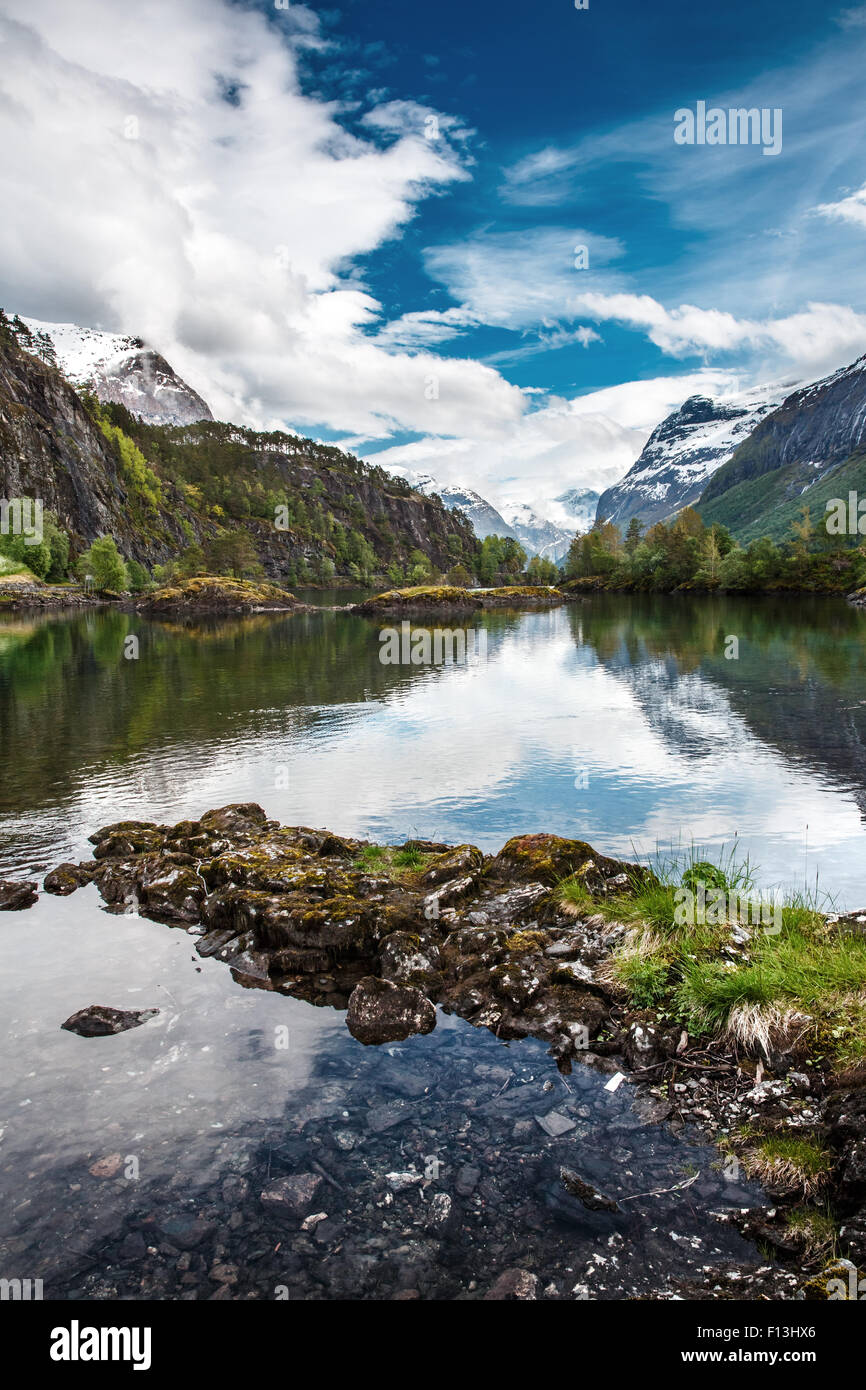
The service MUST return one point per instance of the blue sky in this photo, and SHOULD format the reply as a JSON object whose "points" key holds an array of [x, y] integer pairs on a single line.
{"points": [[548, 79], [285, 230]]}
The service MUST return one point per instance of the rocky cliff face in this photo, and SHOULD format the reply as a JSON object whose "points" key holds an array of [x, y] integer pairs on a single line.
{"points": [[121, 370], [485, 519], [681, 454], [51, 448], [813, 430]]}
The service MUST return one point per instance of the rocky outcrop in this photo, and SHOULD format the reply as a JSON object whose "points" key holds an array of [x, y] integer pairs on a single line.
{"points": [[448, 599], [387, 933], [384, 932], [14, 897], [347, 515], [52, 449], [485, 519], [116, 368], [210, 594], [809, 451], [818, 425], [146, 384]]}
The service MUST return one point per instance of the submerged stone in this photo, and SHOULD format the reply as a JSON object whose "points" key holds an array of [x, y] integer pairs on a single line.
{"points": [[101, 1020], [293, 1194], [592, 1199]]}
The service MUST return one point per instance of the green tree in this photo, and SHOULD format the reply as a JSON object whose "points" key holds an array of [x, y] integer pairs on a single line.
{"points": [[541, 571], [233, 553], [191, 562], [633, 535], [104, 563], [460, 576]]}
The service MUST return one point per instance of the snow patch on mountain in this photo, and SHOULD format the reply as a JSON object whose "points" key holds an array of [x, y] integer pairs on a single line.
{"points": [[123, 370], [537, 534], [684, 451]]}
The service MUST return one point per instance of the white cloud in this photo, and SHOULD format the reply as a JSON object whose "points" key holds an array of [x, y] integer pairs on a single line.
{"points": [[810, 342], [588, 442], [849, 209], [425, 327], [224, 230], [229, 232], [522, 279]]}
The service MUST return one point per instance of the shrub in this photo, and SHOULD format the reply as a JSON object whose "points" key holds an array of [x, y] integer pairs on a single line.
{"points": [[104, 563]]}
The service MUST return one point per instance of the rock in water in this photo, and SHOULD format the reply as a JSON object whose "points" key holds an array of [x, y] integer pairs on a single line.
{"points": [[512, 1285], [591, 1199], [14, 897], [65, 879], [293, 1194], [380, 1011], [100, 1020]]}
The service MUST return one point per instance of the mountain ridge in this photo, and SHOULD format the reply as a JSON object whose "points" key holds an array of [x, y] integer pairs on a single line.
{"points": [[120, 370], [683, 451], [794, 457], [160, 490]]}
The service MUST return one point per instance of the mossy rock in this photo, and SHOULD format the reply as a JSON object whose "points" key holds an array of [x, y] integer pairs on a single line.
{"points": [[550, 858], [523, 596], [217, 594], [459, 862], [524, 942], [421, 599], [65, 879], [128, 838], [840, 1281]]}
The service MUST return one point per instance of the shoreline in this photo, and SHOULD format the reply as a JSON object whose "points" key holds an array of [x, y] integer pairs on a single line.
{"points": [[389, 933], [240, 596]]}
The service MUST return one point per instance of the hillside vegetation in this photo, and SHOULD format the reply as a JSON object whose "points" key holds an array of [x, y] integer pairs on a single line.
{"points": [[688, 554], [211, 497]]}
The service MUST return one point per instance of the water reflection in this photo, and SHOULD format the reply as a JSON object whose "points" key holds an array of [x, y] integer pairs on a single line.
{"points": [[619, 720]]}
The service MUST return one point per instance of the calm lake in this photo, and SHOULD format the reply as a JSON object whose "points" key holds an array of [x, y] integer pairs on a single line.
{"points": [[619, 720]]}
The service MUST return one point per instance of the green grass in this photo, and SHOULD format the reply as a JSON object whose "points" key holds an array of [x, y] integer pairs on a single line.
{"points": [[370, 857], [789, 1161], [815, 1228], [9, 567], [646, 979], [395, 861], [805, 969], [408, 859], [805, 980], [574, 893]]}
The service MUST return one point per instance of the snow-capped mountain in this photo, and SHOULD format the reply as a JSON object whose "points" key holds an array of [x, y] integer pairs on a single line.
{"points": [[119, 369], [580, 505], [683, 452], [808, 450], [536, 534], [486, 520], [819, 424]]}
